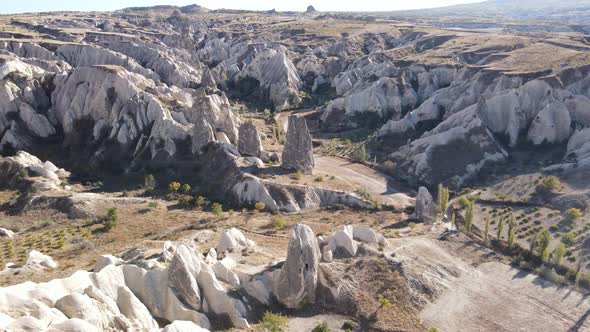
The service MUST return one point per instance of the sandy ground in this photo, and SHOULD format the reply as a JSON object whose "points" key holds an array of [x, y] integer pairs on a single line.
{"points": [[490, 297], [300, 324], [359, 176]]}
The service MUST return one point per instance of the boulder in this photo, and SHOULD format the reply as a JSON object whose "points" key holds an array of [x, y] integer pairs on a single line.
{"points": [[342, 243], [168, 251], [233, 240], [183, 326], [105, 260], [425, 206], [298, 151], [296, 282], [37, 260], [6, 233], [249, 140], [223, 271], [367, 235]]}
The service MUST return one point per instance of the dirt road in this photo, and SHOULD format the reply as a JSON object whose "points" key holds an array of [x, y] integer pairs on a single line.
{"points": [[357, 176]]}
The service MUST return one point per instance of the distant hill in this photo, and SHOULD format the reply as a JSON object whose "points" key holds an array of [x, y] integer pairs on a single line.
{"points": [[190, 9], [562, 11]]}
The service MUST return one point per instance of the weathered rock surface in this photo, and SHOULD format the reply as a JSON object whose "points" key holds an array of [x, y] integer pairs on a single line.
{"points": [[298, 152], [233, 240], [249, 143], [425, 207], [296, 282]]}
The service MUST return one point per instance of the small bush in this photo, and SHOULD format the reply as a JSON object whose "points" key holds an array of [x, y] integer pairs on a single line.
{"points": [[464, 201], [260, 206], [112, 219], [173, 187], [274, 322], [297, 175], [185, 200], [200, 201], [217, 209], [568, 239], [149, 183], [153, 205], [186, 188], [278, 221], [550, 184], [572, 214], [350, 325], [319, 178], [321, 327]]}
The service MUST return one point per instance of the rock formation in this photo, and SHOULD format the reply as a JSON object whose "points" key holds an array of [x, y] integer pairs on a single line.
{"points": [[425, 207], [296, 282], [310, 9], [249, 143], [298, 152]]}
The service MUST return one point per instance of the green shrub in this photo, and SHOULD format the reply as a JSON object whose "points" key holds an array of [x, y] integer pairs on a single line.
{"points": [[321, 327], [185, 200], [443, 199], [568, 239], [572, 214], [383, 302], [149, 183], [260, 206], [463, 201], [272, 322], [278, 221], [360, 154], [364, 193], [153, 204], [173, 187], [186, 188], [558, 253], [112, 219], [298, 175], [350, 325], [549, 183], [217, 209], [319, 178], [200, 201]]}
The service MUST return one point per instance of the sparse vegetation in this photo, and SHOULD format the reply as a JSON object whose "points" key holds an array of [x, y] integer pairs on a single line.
{"points": [[487, 229], [149, 183], [321, 327], [558, 254], [549, 184], [278, 221], [500, 229], [383, 302], [360, 154], [200, 201], [185, 189], [469, 216], [298, 175], [272, 322], [259, 206], [443, 199], [572, 214], [173, 187], [217, 209], [112, 219]]}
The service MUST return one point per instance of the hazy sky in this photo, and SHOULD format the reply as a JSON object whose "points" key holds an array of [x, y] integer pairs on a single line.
{"points": [[19, 6]]}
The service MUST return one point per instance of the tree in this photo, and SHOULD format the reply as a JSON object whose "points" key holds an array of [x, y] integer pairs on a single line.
{"points": [[186, 188], [200, 201], [217, 209], [543, 244], [511, 231], [487, 231], [173, 187], [500, 230], [360, 154], [443, 199], [558, 253], [149, 183], [469, 216], [578, 274], [112, 219], [321, 327]]}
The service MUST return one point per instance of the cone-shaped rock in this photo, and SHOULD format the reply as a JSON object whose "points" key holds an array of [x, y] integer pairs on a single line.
{"points": [[298, 152]]}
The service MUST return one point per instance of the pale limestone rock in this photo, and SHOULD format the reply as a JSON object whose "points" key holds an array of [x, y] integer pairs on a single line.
{"points": [[425, 207], [249, 140], [233, 240], [296, 282], [298, 151]]}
